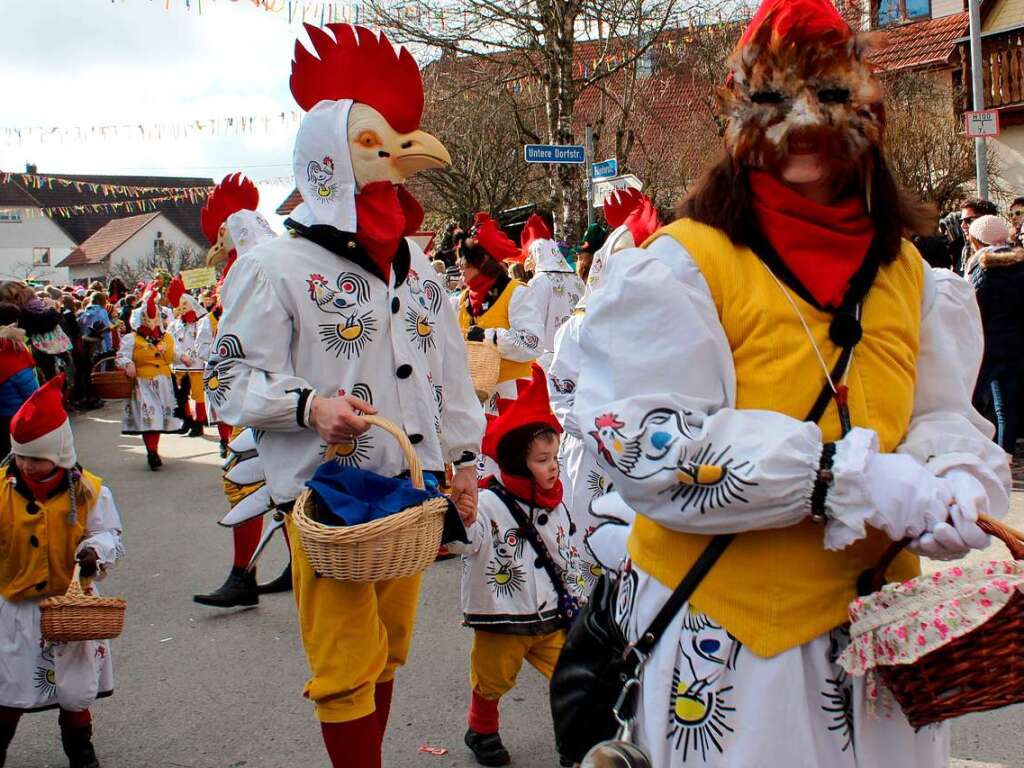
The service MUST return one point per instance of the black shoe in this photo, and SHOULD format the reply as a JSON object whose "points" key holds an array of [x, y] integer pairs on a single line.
{"points": [[196, 430], [282, 583], [223, 449], [240, 589], [78, 747], [6, 735], [153, 459], [93, 405], [566, 762], [487, 748]]}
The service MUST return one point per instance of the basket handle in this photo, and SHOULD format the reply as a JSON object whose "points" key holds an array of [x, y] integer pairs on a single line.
{"points": [[75, 587], [98, 363], [872, 580], [411, 458]]}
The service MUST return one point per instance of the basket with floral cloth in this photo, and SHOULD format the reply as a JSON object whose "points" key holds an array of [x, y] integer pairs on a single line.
{"points": [[945, 643], [359, 526]]}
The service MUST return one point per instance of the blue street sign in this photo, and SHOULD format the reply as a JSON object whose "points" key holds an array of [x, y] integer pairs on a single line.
{"points": [[574, 154], [605, 169]]}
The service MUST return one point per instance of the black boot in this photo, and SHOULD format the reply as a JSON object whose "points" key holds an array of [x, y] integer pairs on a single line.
{"points": [[6, 735], [487, 748], [223, 449], [196, 430], [282, 583], [153, 459], [239, 589], [78, 747]]}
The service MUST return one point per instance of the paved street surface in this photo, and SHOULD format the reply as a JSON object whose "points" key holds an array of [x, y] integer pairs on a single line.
{"points": [[202, 688]]}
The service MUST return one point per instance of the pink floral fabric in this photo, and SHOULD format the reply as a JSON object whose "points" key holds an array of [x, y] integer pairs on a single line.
{"points": [[904, 621]]}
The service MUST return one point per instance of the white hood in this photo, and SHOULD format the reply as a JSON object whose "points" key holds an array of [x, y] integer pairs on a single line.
{"points": [[620, 238], [247, 230], [548, 257], [323, 168]]}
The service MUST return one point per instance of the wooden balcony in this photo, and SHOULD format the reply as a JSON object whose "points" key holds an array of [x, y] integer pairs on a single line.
{"points": [[1002, 70]]}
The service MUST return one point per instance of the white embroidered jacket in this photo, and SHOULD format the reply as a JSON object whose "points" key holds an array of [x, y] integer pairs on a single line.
{"points": [[300, 320], [557, 291], [186, 344]]}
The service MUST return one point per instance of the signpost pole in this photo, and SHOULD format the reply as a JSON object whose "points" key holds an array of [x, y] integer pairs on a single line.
{"points": [[590, 174], [978, 91]]}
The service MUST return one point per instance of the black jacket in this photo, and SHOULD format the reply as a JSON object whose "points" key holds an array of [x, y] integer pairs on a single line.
{"points": [[998, 280]]}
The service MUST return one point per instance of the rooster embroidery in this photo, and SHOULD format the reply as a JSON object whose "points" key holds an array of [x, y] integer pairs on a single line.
{"points": [[320, 176], [352, 291]]}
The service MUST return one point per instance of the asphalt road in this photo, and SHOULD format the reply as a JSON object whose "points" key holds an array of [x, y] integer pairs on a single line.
{"points": [[203, 688]]}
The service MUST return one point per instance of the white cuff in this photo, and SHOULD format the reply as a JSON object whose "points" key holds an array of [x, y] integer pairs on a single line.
{"points": [[848, 504]]}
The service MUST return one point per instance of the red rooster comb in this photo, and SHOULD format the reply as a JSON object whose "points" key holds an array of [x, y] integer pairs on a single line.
{"points": [[643, 222], [493, 239], [536, 229], [234, 193], [357, 64], [796, 21], [175, 291], [608, 420], [619, 204], [530, 408], [151, 310]]}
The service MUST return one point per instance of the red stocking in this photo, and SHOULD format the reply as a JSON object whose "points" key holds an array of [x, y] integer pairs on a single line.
{"points": [[201, 413], [355, 744], [382, 698], [74, 720], [247, 538], [224, 431], [152, 441], [483, 714]]}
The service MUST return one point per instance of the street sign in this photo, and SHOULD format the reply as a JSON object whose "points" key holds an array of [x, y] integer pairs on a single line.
{"points": [[604, 187], [982, 125], [605, 169], [559, 154]]}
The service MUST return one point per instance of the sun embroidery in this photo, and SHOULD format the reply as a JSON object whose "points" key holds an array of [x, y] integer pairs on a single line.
{"points": [[354, 452], [699, 716], [219, 374], [46, 681], [350, 337], [505, 577], [597, 484], [420, 330], [712, 480], [838, 693]]}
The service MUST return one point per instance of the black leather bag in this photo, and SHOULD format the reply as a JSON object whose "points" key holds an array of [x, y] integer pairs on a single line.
{"points": [[589, 692]]}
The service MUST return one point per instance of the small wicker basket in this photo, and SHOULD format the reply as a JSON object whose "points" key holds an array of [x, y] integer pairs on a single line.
{"points": [[111, 385], [977, 672], [390, 548], [78, 616], [484, 368]]}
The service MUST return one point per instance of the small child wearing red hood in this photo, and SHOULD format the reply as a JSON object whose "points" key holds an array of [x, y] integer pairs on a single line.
{"points": [[53, 514], [521, 582]]}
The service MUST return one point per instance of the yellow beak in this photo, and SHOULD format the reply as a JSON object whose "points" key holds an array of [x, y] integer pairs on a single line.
{"points": [[420, 151], [215, 255]]}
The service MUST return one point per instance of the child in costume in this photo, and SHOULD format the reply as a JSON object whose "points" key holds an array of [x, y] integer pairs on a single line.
{"points": [[807, 390], [146, 355], [52, 515], [520, 581], [193, 350], [18, 378]]}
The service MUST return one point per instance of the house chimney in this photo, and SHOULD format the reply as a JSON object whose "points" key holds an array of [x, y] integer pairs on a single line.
{"points": [[31, 168]]}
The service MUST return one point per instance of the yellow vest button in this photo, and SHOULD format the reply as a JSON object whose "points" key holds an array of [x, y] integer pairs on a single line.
{"points": [[40, 586], [34, 541]]}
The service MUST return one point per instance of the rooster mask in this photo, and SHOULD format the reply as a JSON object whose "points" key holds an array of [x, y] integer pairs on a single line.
{"points": [[800, 83], [360, 139], [230, 221]]}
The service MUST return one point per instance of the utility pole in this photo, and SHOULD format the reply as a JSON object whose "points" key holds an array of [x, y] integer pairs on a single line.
{"points": [[590, 174], [978, 92]]}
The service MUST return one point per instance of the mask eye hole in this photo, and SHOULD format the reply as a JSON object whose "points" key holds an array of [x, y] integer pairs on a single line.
{"points": [[766, 97], [834, 95], [368, 139]]}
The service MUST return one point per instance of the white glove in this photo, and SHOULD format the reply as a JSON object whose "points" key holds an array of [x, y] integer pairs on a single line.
{"points": [[908, 500], [954, 539]]}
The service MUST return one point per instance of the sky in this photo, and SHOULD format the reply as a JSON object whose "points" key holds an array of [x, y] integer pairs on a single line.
{"points": [[101, 62]]}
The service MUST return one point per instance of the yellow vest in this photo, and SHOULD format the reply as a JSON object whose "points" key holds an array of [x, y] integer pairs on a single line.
{"points": [[37, 544], [497, 317], [149, 363], [778, 589]]}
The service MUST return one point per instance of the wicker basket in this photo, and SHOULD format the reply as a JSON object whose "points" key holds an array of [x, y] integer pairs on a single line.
{"points": [[111, 385], [977, 672], [390, 548], [78, 616], [484, 368]]}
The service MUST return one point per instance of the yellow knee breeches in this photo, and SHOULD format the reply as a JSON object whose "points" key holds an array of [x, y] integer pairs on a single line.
{"points": [[355, 635], [496, 659]]}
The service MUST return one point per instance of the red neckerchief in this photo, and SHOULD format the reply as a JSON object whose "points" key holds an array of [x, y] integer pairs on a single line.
{"points": [[150, 334], [478, 289], [41, 490], [823, 245], [385, 213], [526, 490]]}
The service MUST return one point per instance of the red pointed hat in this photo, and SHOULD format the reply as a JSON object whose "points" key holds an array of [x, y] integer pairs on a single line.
{"points": [[530, 408], [536, 229], [41, 428], [796, 21], [493, 239], [643, 221], [618, 205]]}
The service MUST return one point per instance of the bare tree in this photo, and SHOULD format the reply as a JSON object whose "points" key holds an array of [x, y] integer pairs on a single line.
{"points": [[513, 42], [168, 257]]}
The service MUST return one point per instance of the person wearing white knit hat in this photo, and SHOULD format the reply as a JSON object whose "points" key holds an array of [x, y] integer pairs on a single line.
{"points": [[54, 516]]}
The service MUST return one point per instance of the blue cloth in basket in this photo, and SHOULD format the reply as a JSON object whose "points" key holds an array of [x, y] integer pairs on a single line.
{"points": [[350, 496]]}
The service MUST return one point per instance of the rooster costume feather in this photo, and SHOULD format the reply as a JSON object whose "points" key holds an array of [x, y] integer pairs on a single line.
{"points": [[344, 305], [742, 413]]}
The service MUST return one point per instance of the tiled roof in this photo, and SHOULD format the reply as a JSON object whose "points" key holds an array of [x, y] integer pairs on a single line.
{"points": [[106, 240], [919, 44], [184, 214], [289, 204]]}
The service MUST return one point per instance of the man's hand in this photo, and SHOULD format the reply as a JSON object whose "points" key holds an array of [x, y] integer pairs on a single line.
{"points": [[465, 493], [129, 370], [339, 419], [186, 361], [88, 560]]}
